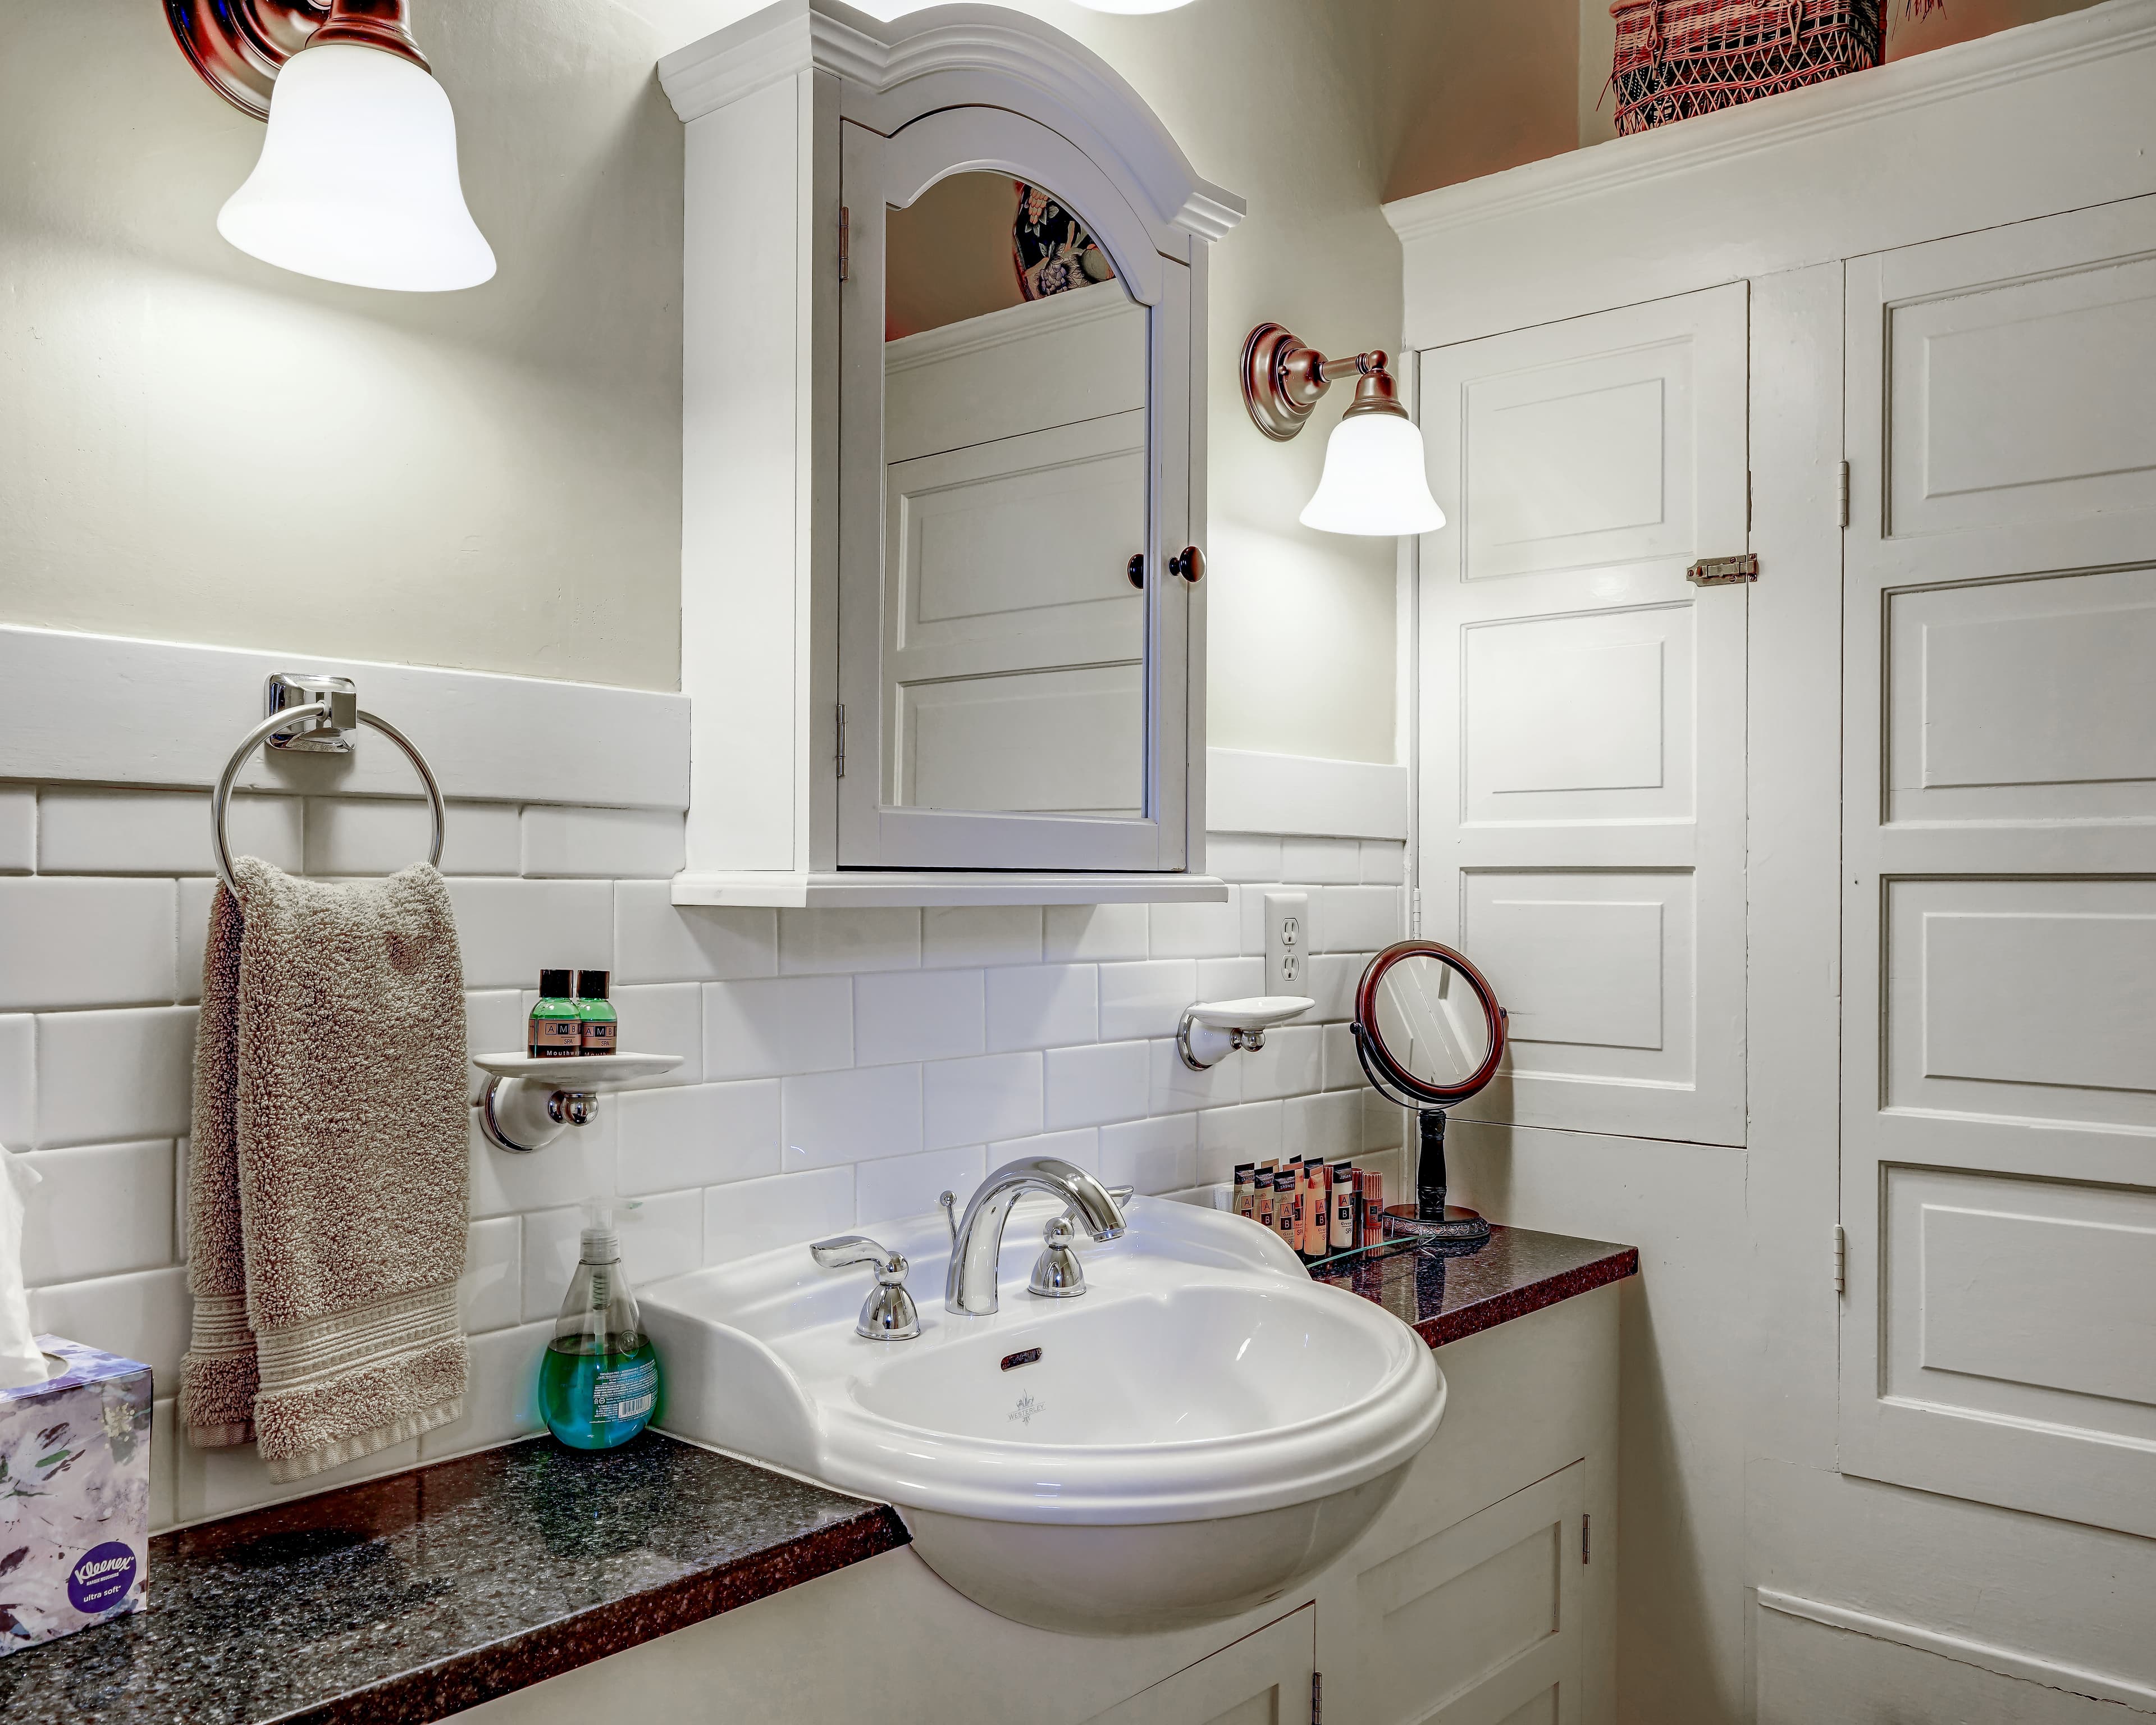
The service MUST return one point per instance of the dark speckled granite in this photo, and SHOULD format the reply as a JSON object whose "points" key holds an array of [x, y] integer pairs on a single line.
{"points": [[407, 1599], [1447, 1292]]}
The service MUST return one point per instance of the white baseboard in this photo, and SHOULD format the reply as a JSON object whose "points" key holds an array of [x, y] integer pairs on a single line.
{"points": [[2005, 1661], [107, 710], [1250, 793]]}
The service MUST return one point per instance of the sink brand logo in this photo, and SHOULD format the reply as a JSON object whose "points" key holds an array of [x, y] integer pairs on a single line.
{"points": [[101, 1578], [1026, 1409]]}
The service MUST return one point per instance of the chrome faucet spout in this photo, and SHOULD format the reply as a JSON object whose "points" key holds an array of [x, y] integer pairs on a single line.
{"points": [[969, 1288]]}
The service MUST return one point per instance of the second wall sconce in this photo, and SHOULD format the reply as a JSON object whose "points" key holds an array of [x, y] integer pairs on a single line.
{"points": [[357, 179], [1374, 481]]}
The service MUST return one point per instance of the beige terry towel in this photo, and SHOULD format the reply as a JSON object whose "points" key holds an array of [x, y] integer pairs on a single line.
{"points": [[327, 1174]]}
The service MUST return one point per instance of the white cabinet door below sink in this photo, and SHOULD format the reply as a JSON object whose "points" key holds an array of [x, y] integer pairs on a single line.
{"points": [[1264, 1679]]}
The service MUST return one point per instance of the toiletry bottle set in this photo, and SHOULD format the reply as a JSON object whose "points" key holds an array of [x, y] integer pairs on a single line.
{"points": [[567, 1022], [1317, 1208], [598, 1381]]}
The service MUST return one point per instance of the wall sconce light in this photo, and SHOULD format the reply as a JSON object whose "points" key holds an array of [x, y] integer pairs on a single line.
{"points": [[1374, 481], [357, 179]]}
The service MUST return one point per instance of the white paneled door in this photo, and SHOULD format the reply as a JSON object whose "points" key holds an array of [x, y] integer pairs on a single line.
{"points": [[1999, 1183], [1583, 709]]}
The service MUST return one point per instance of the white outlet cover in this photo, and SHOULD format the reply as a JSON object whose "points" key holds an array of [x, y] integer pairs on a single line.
{"points": [[1287, 942]]}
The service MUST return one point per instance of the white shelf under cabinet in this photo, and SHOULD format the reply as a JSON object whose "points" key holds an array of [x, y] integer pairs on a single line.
{"points": [[862, 888]]}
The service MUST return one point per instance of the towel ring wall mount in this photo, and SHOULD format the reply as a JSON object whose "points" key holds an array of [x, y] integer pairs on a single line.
{"points": [[312, 714]]}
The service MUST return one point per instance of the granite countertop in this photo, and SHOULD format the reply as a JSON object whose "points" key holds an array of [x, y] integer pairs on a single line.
{"points": [[409, 1598], [1444, 1292]]}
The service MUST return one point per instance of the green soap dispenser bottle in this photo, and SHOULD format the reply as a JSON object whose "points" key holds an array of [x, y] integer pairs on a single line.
{"points": [[599, 1382]]}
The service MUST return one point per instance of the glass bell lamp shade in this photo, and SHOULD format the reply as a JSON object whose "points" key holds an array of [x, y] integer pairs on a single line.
{"points": [[358, 180], [1374, 481]]}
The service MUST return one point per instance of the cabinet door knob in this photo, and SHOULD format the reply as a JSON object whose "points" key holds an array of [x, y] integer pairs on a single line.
{"points": [[1136, 570], [1190, 564]]}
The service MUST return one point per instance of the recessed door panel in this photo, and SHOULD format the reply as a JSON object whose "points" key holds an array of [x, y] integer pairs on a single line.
{"points": [[1998, 1145], [1264, 1679], [1583, 709]]}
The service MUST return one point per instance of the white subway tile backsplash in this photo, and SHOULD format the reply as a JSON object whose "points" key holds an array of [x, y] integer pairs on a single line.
{"points": [[18, 830], [1092, 1087], [100, 1209], [164, 1429], [92, 831], [1359, 919], [109, 1078], [966, 1102], [1174, 1087], [1145, 999], [508, 929], [85, 942], [491, 1292], [1200, 930], [1385, 862], [835, 1117], [579, 1165], [603, 843], [656, 940], [1384, 1126], [754, 1216], [502, 1403], [663, 1018], [902, 1186], [1290, 1064], [1321, 862], [1152, 1155], [379, 835], [19, 1089], [1228, 1136], [696, 1135], [1244, 856], [1329, 1126], [781, 1024], [843, 1067], [916, 1015], [1095, 934], [1043, 1006], [827, 942], [1229, 979], [980, 935], [142, 1316]]}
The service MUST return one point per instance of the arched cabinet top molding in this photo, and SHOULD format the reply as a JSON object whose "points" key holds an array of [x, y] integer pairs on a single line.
{"points": [[964, 56], [886, 708]]}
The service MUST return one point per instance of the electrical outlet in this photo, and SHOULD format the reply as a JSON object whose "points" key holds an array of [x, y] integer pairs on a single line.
{"points": [[1287, 940]]}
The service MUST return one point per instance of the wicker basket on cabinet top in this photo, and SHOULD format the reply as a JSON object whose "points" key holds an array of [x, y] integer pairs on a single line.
{"points": [[1678, 58]]}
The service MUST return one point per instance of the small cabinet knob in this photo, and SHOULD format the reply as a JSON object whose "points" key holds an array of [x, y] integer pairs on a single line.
{"points": [[1189, 563], [1136, 570]]}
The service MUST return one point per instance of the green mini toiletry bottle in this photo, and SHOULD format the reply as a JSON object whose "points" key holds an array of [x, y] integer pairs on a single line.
{"points": [[599, 1382], [596, 1017], [556, 1029]]}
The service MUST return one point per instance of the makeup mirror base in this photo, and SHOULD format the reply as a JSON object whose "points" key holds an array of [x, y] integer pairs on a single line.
{"points": [[1450, 1223]]}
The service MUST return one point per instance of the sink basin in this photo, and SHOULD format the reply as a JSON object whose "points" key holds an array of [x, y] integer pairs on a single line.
{"points": [[1205, 1428]]}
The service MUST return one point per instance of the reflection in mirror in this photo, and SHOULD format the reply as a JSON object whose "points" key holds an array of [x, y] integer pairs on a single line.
{"points": [[1430, 1021], [1015, 501]]}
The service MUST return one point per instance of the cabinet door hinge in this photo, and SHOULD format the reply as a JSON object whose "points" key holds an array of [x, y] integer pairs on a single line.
{"points": [[1317, 1698], [842, 740], [1585, 1523], [1748, 500], [845, 240], [1415, 910], [1723, 571], [1840, 1260], [1841, 497]]}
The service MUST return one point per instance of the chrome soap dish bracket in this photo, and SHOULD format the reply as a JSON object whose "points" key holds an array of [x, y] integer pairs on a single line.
{"points": [[530, 1101], [311, 713]]}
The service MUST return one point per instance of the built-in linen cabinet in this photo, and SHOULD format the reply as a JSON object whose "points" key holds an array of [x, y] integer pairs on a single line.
{"points": [[943, 491]]}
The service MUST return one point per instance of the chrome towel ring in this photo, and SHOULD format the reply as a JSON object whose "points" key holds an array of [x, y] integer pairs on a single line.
{"points": [[311, 715]]}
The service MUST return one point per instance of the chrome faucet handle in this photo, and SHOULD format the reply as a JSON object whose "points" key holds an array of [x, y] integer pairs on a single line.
{"points": [[1057, 1274], [889, 1313], [949, 1202]]}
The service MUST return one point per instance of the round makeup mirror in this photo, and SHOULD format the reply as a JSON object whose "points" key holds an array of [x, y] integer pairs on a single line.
{"points": [[1430, 1034]]}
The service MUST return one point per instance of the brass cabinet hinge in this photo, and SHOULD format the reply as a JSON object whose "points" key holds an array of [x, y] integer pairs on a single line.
{"points": [[1317, 1698], [1841, 497], [845, 240], [842, 739], [1585, 1521], [1840, 1260], [1723, 571]]}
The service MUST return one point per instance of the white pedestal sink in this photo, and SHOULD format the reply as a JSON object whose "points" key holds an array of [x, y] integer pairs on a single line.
{"points": [[1205, 1429]]}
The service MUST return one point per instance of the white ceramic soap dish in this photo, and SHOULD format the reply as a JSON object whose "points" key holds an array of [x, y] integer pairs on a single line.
{"points": [[530, 1101]]}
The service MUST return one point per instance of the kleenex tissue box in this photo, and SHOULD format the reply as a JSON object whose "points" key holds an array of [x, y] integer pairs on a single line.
{"points": [[74, 1494]]}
